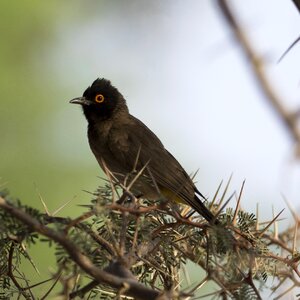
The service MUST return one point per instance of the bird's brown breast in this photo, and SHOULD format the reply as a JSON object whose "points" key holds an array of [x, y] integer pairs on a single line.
{"points": [[109, 142]]}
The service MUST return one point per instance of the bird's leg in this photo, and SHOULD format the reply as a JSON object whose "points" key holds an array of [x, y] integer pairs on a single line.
{"points": [[127, 196], [189, 214]]}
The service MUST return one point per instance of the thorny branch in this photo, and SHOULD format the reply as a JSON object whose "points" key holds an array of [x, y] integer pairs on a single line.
{"points": [[151, 241], [288, 118], [188, 237], [133, 288], [297, 4]]}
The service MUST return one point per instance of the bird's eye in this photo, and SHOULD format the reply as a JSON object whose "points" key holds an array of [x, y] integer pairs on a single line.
{"points": [[99, 98]]}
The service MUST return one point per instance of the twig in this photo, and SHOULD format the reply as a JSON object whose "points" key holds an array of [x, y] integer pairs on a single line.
{"points": [[98, 239], [123, 232], [51, 288], [215, 195], [297, 4], [11, 274], [79, 220], [225, 191], [268, 226], [258, 69], [84, 290], [237, 208]]}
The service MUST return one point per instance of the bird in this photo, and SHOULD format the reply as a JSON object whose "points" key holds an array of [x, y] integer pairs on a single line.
{"points": [[123, 144]]}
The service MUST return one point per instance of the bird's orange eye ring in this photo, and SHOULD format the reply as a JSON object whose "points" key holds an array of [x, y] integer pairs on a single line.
{"points": [[99, 98]]}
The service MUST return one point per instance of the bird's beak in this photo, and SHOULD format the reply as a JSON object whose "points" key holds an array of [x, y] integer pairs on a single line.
{"points": [[81, 101]]}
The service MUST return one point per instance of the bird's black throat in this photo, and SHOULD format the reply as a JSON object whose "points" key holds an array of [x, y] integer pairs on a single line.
{"points": [[96, 114]]}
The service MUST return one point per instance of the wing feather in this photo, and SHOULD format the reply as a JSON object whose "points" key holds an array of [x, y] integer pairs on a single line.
{"points": [[140, 145]]}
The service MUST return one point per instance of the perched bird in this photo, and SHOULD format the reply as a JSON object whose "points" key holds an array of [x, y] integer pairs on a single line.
{"points": [[123, 144]]}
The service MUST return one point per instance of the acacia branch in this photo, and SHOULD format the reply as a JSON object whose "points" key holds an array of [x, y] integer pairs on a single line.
{"points": [[130, 286], [257, 66], [158, 249], [297, 4]]}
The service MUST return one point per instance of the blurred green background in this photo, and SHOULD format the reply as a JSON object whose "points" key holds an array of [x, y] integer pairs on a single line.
{"points": [[33, 161], [34, 111]]}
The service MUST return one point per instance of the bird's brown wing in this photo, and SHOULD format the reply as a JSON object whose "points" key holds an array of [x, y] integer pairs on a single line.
{"points": [[134, 140]]}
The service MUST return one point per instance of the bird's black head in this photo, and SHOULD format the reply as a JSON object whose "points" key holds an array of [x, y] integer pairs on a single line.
{"points": [[101, 100]]}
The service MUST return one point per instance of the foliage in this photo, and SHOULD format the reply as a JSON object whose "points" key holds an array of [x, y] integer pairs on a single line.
{"points": [[146, 243]]}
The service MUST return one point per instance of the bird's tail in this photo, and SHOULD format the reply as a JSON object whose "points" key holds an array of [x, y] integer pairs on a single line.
{"points": [[199, 206]]}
